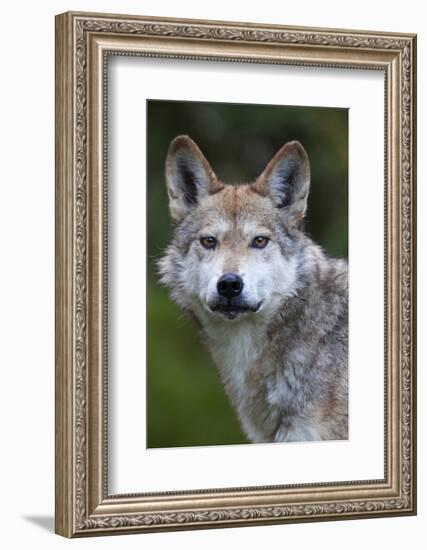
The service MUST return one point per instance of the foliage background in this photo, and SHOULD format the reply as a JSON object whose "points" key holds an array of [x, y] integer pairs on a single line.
{"points": [[186, 404]]}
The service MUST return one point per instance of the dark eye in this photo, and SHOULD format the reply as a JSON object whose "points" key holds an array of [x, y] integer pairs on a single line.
{"points": [[260, 242], [208, 242]]}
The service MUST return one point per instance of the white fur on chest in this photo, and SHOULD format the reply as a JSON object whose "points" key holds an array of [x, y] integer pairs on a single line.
{"points": [[235, 349]]}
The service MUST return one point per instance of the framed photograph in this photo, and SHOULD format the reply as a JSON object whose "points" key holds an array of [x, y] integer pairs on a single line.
{"points": [[235, 274]]}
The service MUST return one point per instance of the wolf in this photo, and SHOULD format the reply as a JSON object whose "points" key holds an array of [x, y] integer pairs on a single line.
{"points": [[271, 305]]}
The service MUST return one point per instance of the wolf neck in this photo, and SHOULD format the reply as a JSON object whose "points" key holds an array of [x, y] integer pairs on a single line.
{"points": [[235, 347]]}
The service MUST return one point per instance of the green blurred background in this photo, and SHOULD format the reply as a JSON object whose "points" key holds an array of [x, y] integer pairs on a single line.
{"points": [[186, 404]]}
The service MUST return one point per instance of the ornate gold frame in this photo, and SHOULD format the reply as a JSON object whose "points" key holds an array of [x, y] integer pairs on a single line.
{"points": [[83, 42]]}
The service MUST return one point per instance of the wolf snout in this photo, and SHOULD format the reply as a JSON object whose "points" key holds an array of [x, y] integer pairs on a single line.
{"points": [[230, 285]]}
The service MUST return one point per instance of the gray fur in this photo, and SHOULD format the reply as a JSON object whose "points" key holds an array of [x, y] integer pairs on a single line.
{"points": [[284, 366]]}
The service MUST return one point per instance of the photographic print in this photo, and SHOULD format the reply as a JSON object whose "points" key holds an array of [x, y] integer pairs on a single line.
{"points": [[249, 205], [235, 274]]}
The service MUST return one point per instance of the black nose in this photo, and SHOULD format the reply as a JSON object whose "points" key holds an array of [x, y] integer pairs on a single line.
{"points": [[230, 285]]}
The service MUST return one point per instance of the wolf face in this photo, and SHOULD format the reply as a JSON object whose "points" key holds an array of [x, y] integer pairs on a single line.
{"points": [[234, 254]]}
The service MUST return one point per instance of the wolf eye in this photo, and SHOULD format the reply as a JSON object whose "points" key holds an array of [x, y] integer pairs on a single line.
{"points": [[208, 242], [260, 242]]}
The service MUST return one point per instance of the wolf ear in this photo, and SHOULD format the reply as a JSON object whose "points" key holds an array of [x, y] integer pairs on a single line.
{"points": [[286, 180], [189, 177]]}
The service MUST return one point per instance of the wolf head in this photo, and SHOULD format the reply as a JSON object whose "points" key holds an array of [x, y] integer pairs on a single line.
{"points": [[234, 252]]}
